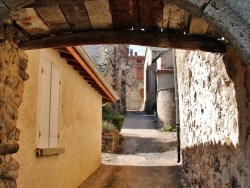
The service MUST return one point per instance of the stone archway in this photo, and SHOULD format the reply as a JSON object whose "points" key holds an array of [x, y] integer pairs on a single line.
{"points": [[230, 18]]}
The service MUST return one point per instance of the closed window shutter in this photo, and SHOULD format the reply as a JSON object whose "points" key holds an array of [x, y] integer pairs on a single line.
{"points": [[54, 108], [139, 72], [45, 105]]}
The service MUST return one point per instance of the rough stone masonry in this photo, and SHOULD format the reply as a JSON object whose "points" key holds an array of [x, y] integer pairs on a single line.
{"points": [[13, 63], [214, 118]]}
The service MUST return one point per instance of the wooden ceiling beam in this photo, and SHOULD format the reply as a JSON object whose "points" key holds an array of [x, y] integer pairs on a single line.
{"points": [[84, 74], [73, 63], [88, 78], [159, 39], [45, 3], [95, 85], [91, 82], [80, 69], [104, 100], [100, 91], [64, 50], [68, 57]]}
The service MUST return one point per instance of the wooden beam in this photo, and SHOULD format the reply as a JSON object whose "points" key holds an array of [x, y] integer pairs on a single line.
{"points": [[13, 4], [90, 72], [4, 10], [7, 5], [91, 82], [68, 57], [64, 50], [101, 92], [45, 3], [94, 85], [77, 16], [54, 19], [105, 100], [160, 39], [73, 63], [151, 14], [85, 74], [79, 69], [88, 78]]}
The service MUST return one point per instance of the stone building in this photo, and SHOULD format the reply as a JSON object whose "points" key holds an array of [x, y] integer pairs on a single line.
{"points": [[165, 89], [159, 84], [111, 61], [135, 82]]}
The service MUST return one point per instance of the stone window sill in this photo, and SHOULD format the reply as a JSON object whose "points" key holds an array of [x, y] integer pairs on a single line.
{"points": [[49, 151]]}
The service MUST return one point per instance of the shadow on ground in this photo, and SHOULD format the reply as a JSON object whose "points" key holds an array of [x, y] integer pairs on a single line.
{"points": [[133, 145], [134, 177], [139, 120]]}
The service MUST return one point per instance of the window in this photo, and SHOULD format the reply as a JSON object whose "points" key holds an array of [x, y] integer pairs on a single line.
{"points": [[50, 94], [139, 73]]}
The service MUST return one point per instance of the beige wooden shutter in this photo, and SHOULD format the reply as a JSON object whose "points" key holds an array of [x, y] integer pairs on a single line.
{"points": [[54, 108], [45, 105]]}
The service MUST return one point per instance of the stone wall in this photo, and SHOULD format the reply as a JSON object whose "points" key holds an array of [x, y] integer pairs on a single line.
{"points": [[166, 108], [135, 86], [165, 98], [214, 109], [111, 61], [110, 142], [13, 63], [149, 82]]}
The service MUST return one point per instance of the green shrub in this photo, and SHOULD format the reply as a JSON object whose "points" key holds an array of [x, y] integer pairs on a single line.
{"points": [[117, 120], [168, 128], [108, 110], [108, 127]]}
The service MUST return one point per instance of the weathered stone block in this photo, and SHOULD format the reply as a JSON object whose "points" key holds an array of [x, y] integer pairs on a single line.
{"points": [[22, 55], [9, 147], [23, 64], [225, 175], [17, 99], [3, 135], [17, 134], [2, 98], [23, 75]]}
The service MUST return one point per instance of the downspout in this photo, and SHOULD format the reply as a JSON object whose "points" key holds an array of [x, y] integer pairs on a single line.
{"points": [[177, 110]]}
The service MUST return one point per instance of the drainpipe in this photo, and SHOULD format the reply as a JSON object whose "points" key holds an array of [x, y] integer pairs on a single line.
{"points": [[177, 110]]}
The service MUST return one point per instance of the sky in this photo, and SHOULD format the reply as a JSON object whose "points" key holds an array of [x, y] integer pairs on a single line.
{"points": [[139, 49]]}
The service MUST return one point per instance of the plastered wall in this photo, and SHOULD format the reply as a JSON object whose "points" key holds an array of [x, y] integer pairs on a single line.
{"points": [[79, 128]]}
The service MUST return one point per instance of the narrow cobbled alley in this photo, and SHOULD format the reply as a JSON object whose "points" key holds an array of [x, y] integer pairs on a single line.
{"points": [[147, 158]]}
